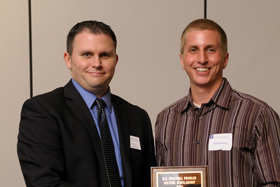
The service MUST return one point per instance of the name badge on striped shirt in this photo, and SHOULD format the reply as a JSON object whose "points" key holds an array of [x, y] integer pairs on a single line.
{"points": [[220, 142]]}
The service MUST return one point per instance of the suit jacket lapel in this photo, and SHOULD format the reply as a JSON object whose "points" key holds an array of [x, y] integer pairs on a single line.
{"points": [[124, 138], [77, 104]]}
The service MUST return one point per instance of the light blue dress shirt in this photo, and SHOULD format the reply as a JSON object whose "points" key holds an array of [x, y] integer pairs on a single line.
{"points": [[89, 99]]}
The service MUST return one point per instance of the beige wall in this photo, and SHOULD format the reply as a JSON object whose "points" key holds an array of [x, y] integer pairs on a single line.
{"points": [[148, 73], [14, 83], [253, 29]]}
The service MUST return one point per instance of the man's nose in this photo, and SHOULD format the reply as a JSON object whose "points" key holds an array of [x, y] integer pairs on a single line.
{"points": [[202, 57], [96, 62]]}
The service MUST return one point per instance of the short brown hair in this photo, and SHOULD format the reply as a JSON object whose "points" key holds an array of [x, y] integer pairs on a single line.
{"points": [[95, 27], [205, 24]]}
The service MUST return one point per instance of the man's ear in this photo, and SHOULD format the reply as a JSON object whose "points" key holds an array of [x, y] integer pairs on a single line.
{"points": [[182, 62], [226, 60], [117, 58], [67, 59]]}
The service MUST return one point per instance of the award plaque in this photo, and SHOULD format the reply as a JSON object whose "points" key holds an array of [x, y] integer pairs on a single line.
{"points": [[181, 176]]}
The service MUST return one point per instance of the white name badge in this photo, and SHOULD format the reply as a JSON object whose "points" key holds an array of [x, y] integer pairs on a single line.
{"points": [[135, 142], [220, 142]]}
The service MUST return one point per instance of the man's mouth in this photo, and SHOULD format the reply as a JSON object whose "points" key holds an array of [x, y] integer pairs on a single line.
{"points": [[202, 69]]}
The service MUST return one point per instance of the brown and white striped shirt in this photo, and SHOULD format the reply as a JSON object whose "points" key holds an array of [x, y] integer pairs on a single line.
{"points": [[182, 136]]}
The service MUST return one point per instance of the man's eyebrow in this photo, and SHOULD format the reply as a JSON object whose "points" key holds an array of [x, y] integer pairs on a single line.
{"points": [[209, 46], [192, 46]]}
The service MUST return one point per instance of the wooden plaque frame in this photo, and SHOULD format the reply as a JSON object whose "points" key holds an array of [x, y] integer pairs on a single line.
{"points": [[181, 176]]}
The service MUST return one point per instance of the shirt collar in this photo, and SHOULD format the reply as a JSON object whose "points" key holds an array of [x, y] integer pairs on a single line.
{"points": [[89, 97], [221, 97]]}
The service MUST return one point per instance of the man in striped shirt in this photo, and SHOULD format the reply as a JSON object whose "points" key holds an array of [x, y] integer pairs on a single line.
{"points": [[236, 135]]}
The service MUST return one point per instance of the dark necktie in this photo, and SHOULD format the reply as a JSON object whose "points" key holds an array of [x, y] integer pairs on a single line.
{"points": [[107, 146]]}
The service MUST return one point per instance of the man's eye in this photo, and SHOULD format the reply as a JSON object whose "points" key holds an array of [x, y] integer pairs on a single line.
{"points": [[211, 50], [104, 55], [193, 50], [86, 54]]}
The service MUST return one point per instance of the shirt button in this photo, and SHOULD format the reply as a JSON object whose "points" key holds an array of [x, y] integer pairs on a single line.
{"points": [[197, 142], [200, 117]]}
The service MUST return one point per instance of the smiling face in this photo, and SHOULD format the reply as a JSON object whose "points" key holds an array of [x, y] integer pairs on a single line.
{"points": [[92, 62], [203, 59]]}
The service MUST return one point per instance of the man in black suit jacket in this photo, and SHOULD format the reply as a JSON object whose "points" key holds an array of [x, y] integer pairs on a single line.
{"points": [[59, 143]]}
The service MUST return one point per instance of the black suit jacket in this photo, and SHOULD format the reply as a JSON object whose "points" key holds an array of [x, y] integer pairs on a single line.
{"points": [[58, 143]]}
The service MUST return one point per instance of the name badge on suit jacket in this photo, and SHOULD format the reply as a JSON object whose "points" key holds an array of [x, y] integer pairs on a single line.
{"points": [[135, 143]]}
